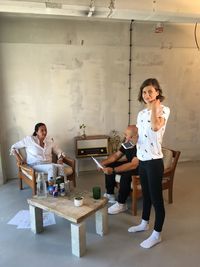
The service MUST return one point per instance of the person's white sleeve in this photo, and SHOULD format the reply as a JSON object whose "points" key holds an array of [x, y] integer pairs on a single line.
{"points": [[18, 145], [57, 150], [165, 113], [137, 122]]}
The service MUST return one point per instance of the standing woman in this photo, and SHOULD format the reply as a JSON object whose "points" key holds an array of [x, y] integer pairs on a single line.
{"points": [[151, 123]]}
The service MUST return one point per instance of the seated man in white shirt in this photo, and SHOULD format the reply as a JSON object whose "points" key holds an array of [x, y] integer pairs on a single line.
{"points": [[39, 150], [126, 169]]}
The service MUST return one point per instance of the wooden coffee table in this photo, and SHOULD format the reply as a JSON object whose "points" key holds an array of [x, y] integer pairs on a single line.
{"points": [[64, 207]]}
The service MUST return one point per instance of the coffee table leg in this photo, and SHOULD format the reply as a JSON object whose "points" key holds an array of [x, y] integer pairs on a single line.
{"points": [[36, 219], [101, 218], [78, 239]]}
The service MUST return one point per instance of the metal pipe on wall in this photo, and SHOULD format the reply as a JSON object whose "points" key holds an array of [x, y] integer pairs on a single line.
{"points": [[130, 72]]}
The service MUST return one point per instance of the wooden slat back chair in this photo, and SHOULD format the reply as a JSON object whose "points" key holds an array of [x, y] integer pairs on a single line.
{"points": [[170, 163], [28, 175]]}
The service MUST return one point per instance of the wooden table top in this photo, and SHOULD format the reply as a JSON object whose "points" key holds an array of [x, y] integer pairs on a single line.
{"points": [[64, 206]]}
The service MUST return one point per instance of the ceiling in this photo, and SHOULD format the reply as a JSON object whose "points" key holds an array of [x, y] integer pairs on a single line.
{"points": [[177, 11]]}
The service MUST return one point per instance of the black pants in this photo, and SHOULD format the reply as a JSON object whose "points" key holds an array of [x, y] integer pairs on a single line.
{"points": [[125, 182], [151, 173]]}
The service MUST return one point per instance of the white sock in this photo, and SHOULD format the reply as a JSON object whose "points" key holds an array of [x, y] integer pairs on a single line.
{"points": [[143, 226], [155, 234], [154, 239]]}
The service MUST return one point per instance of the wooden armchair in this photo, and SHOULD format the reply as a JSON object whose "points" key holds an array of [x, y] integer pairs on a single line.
{"points": [[28, 175], [167, 183]]}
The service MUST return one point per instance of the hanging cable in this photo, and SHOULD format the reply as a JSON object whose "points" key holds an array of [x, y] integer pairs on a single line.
{"points": [[195, 35], [130, 73]]}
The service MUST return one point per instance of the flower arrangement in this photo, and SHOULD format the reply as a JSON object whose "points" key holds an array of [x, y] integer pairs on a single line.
{"points": [[115, 141], [82, 127]]}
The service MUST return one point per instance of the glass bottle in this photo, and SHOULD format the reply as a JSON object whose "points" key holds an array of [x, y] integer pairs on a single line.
{"points": [[41, 186]]}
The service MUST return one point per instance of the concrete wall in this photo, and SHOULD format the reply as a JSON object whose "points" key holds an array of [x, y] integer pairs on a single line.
{"points": [[66, 73], [173, 58]]}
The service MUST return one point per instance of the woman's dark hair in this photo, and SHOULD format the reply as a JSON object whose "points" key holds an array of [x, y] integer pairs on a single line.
{"points": [[155, 84], [37, 126]]}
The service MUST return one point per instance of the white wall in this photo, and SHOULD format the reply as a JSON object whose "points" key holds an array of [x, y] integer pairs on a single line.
{"points": [[173, 58], [49, 75], [65, 73]]}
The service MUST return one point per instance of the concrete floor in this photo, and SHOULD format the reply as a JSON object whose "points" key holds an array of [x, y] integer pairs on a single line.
{"points": [[181, 235]]}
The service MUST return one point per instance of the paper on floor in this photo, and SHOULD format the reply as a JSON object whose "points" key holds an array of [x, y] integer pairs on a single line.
{"points": [[22, 219]]}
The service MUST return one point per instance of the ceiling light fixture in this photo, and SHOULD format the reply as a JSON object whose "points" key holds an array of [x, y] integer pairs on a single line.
{"points": [[91, 8], [112, 8]]}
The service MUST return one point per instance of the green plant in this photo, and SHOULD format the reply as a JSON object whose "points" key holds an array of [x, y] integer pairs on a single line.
{"points": [[115, 141], [78, 198], [82, 127]]}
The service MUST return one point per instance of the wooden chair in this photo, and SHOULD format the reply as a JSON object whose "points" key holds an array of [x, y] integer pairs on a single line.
{"points": [[28, 175], [167, 183]]}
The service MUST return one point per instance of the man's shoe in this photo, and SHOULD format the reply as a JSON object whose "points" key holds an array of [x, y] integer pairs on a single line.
{"points": [[117, 208], [110, 197]]}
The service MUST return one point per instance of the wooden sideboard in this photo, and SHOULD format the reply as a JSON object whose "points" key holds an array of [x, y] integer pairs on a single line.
{"points": [[91, 145]]}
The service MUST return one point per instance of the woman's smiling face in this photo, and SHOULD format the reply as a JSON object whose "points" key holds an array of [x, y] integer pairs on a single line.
{"points": [[42, 132], [149, 94]]}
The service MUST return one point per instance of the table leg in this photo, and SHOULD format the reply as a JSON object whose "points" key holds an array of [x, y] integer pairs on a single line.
{"points": [[77, 167], [101, 218], [36, 219], [78, 239]]}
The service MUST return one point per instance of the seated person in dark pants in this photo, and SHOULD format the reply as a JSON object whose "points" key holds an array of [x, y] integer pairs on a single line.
{"points": [[125, 168]]}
